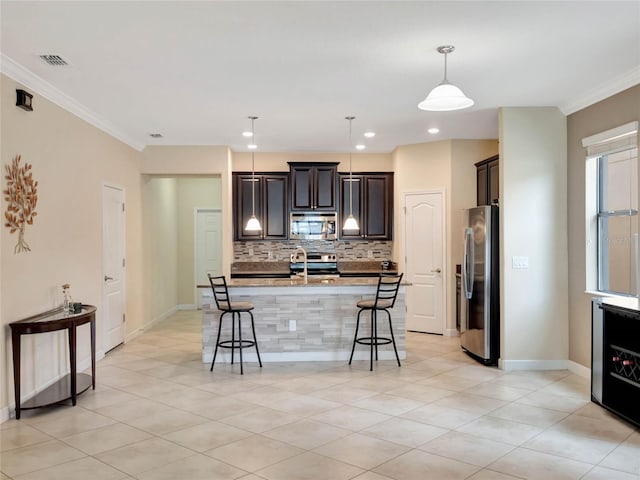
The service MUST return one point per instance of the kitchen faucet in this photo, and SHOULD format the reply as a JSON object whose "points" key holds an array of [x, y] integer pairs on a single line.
{"points": [[304, 255]]}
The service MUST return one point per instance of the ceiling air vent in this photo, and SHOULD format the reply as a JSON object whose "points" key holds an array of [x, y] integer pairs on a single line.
{"points": [[55, 60]]}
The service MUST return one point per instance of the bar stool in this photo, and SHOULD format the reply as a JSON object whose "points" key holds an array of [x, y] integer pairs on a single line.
{"points": [[386, 293], [236, 309]]}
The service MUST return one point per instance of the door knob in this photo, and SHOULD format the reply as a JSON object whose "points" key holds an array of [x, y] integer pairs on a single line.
{"points": [[437, 270], [107, 278]]}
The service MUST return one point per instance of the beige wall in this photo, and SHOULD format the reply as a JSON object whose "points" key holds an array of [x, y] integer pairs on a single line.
{"points": [[533, 223], [214, 161], [203, 192], [277, 162], [609, 113], [71, 160], [160, 200], [434, 166]]}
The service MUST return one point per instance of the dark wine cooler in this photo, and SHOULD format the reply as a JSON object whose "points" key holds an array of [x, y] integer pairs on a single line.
{"points": [[615, 382]]}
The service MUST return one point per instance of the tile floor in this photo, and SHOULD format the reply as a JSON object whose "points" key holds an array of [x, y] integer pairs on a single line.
{"points": [[158, 413]]}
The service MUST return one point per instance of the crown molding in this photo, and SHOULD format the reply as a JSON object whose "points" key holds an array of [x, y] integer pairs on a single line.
{"points": [[616, 85], [20, 74]]}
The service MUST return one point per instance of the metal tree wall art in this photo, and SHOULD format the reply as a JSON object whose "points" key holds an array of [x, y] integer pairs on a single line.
{"points": [[21, 196]]}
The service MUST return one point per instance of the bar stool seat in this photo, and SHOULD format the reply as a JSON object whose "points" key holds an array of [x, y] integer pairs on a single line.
{"points": [[236, 309], [386, 293]]}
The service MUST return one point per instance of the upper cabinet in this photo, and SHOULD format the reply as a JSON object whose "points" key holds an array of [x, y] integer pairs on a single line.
{"points": [[487, 176], [271, 194], [313, 186], [371, 204]]}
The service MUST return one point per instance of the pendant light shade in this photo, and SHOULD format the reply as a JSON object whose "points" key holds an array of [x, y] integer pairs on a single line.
{"points": [[253, 224], [350, 223], [445, 97]]}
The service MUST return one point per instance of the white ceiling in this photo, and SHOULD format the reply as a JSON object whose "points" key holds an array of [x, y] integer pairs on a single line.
{"points": [[194, 71]]}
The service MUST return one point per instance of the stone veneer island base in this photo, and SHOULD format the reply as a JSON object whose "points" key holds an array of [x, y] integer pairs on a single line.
{"points": [[295, 321]]}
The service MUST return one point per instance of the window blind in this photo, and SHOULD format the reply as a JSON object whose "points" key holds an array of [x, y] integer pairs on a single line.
{"points": [[615, 140]]}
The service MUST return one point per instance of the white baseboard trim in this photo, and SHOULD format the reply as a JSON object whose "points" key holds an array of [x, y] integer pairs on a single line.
{"points": [[225, 357], [131, 335], [515, 365], [187, 306], [451, 332], [85, 364], [158, 319], [578, 369]]}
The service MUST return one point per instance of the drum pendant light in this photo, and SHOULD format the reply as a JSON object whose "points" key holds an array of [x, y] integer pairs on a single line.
{"points": [[253, 224], [445, 97], [350, 223]]}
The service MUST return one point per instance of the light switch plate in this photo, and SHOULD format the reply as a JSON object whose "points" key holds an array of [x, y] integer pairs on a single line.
{"points": [[519, 262], [292, 325]]}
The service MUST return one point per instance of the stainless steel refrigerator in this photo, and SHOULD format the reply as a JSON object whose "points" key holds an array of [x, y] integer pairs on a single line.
{"points": [[480, 302]]}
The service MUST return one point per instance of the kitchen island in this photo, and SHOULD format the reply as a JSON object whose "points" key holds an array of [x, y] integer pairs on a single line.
{"points": [[297, 321]]}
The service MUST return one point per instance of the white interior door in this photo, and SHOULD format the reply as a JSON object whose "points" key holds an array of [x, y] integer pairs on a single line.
{"points": [[424, 259], [113, 266], [208, 254]]}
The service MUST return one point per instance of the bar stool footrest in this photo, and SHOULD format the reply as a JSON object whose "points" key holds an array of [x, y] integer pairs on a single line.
{"points": [[236, 343], [373, 340]]}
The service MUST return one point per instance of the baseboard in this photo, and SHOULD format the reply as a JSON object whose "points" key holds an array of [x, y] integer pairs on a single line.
{"points": [[4, 414], [159, 318], [225, 357], [515, 365], [451, 332], [578, 369], [7, 412], [186, 306]]}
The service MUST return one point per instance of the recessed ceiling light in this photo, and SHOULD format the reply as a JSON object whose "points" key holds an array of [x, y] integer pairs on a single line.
{"points": [[247, 134], [369, 134], [252, 146], [360, 147], [433, 130], [155, 135]]}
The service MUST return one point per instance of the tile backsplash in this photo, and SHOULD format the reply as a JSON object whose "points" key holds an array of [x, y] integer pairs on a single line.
{"points": [[280, 250]]}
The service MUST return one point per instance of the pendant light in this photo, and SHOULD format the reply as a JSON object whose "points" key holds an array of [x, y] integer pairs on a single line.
{"points": [[445, 96], [253, 225], [350, 223]]}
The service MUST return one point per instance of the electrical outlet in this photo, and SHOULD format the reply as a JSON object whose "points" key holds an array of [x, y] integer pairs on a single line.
{"points": [[251, 252], [269, 255], [519, 262], [292, 325], [369, 253]]}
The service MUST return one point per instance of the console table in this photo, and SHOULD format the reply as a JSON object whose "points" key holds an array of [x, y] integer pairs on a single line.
{"points": [[71, 384]]}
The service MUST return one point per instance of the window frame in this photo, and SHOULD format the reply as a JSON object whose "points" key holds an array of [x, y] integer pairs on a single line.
{"points": [[618, 139]]}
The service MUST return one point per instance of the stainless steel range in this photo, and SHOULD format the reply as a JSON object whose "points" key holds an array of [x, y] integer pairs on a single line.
{"points": [[318, 263]]}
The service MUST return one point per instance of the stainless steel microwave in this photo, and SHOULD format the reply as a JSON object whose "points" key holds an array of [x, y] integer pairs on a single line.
{"points": [[313, 226]]}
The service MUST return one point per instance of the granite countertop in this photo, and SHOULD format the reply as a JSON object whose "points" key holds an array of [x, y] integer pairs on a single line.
{"points": [[299, 282], [282, 268], [365, 267], [260, 268]]}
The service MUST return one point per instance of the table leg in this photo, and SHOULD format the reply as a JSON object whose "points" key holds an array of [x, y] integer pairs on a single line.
{"points": [[92, 324], [15, 345], [72, 358]]}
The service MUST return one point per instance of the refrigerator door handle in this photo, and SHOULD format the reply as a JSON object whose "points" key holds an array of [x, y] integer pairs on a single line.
{"points": [[468, 266]]}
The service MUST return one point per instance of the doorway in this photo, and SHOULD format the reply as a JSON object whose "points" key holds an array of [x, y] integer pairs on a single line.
{"points": [[424, 235], [113, 266], [208, 248]]}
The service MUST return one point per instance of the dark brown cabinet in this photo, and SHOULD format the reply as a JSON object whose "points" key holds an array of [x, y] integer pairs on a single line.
{"points": [[372, 206], [313, 186], [271, 190], [487, 177]]}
